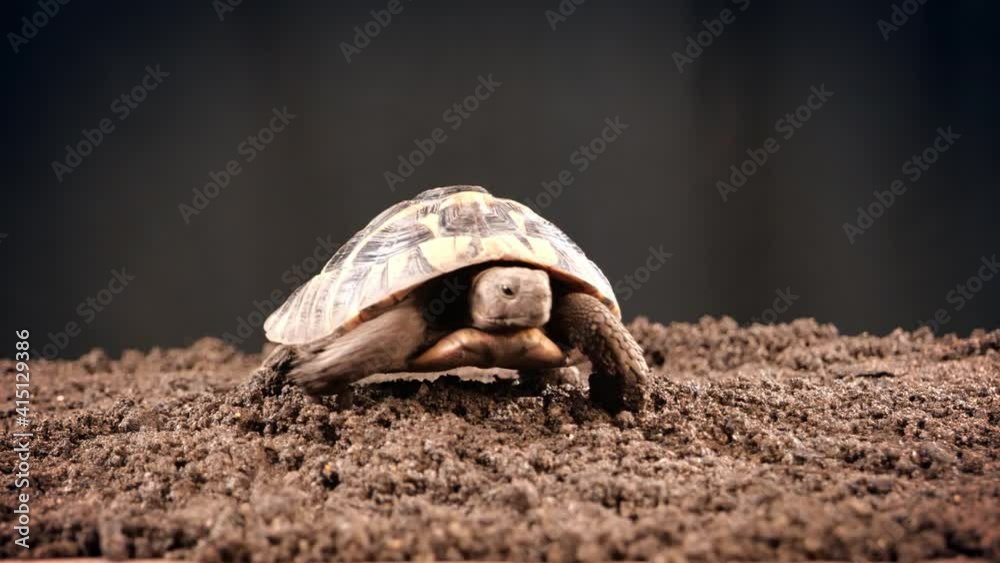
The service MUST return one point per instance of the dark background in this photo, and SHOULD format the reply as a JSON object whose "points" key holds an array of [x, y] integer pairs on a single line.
{"points": [[323, 175]]}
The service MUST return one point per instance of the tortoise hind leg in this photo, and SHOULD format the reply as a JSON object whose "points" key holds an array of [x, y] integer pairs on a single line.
{"points": [[379, 345], [620, 369]]}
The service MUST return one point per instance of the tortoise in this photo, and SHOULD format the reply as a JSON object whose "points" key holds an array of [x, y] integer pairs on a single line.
{"points": [[457, 277]]}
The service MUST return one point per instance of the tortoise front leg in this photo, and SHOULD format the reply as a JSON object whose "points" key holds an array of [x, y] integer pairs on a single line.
{"points": [[620, 369]]}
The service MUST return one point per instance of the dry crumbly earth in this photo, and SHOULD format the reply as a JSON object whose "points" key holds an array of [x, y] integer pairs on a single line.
{"points": [[785, 442]]}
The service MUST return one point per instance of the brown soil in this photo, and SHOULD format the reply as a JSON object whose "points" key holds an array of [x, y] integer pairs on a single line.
{"points": [[763, 443]]}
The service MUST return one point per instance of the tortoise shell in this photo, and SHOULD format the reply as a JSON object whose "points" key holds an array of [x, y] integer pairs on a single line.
{"points": [[440, 231]]}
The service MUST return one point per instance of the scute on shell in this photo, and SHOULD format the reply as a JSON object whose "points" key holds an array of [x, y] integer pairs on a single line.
{"points": [[441, 230]]}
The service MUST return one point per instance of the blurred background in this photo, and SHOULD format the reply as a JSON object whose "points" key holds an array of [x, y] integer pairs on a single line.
{"points": [[199, 78]]}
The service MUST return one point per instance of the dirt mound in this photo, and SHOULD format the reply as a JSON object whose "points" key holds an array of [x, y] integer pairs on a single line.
{"points": [[764, 442]]}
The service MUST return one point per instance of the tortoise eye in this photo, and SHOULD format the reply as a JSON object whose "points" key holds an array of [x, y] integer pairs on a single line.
{"points": [[507, 290]]}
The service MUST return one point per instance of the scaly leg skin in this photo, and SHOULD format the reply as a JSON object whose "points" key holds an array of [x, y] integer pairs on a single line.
{"points": [[620, 371], [570, 372], [382, 344]]}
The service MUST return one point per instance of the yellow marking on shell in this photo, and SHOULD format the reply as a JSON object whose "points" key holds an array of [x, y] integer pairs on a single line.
{"points": [[441, 253], [518, 219], [397, 264], [526, 212], [496, 245], [465, 198], [372, 283], [543, 251], [432, 222], [510, 247]]}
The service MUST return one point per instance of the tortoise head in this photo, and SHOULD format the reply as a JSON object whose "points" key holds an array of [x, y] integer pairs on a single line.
{"points": [[508, 297]]}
